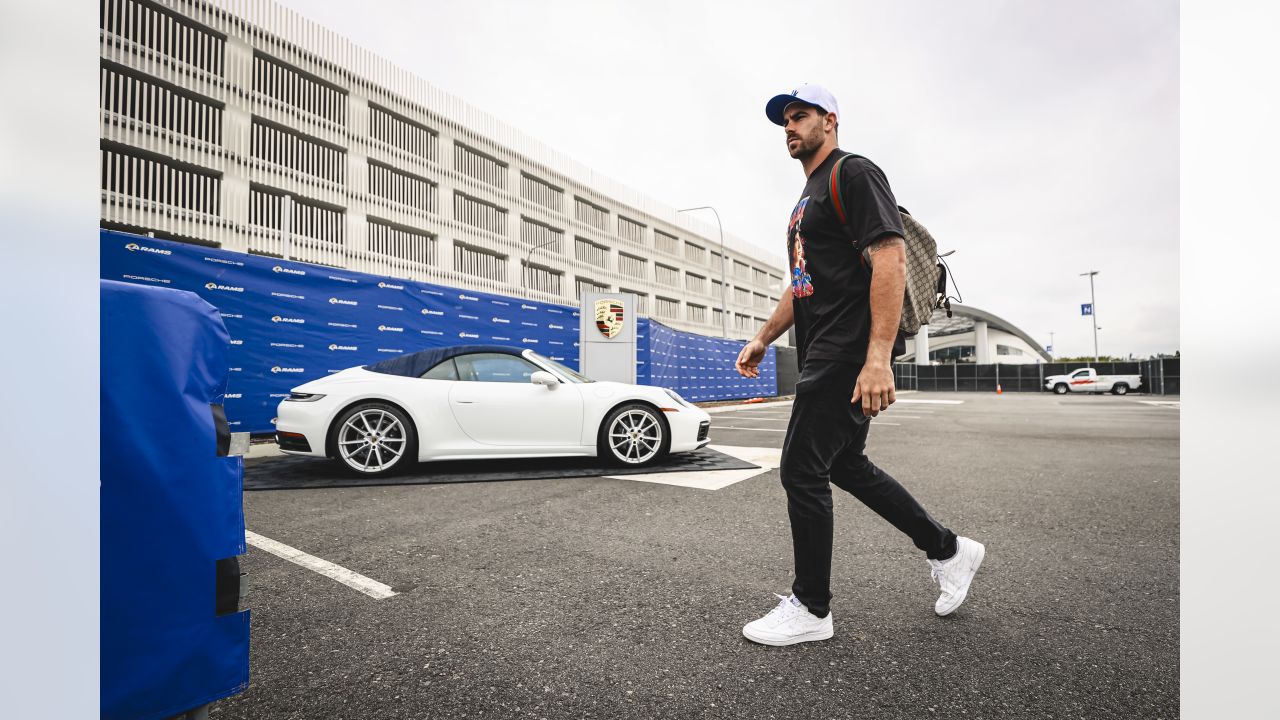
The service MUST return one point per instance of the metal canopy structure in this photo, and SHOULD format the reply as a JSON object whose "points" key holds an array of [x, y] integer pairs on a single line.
{"points": [[962, 321]]}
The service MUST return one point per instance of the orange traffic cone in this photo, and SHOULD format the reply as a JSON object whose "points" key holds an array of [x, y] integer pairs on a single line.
{"points": [[999, 391]]}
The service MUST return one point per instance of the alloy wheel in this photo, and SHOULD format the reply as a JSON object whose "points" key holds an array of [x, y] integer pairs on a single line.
{"points": [[371, 441], [635, 436]]}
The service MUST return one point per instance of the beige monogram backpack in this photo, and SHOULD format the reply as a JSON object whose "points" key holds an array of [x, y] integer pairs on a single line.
{"points": [[926, 288]]}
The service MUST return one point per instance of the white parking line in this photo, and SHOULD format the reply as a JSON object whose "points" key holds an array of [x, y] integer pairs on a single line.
{"points": [[787, 415], [752, 406], [740, 419], [354, 580], [931, 402], [766, 458], [1175, 404], [782, 430]]}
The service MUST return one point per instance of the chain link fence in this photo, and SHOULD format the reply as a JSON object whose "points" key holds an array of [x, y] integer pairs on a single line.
{"points": [[1160, 376]]}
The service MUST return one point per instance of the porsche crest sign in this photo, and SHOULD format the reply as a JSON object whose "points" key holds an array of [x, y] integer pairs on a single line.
{"points": [[609, 317], [607, 335]]}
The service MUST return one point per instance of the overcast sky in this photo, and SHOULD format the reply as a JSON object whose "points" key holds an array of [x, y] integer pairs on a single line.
{"points": [[1037, 139]]}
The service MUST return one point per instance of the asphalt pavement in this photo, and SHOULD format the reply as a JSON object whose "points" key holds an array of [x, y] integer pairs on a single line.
{"points": [[625, 597]]}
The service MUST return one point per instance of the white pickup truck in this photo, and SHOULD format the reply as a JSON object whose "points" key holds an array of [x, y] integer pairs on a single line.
{"points": [[1088, 380]]}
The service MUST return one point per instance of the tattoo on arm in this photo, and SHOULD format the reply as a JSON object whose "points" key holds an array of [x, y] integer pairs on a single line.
{"points": [[880, 243], [885, 241]]}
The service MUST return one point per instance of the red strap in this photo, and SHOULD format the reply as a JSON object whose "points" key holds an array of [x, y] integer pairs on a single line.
{"points": [[835, 190], [837, 203]]}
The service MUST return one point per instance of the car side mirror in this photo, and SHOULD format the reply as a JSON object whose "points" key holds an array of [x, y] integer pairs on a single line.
{"points": [[542, 377]]}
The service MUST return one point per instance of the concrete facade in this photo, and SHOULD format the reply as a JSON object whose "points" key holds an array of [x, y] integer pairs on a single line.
{"points": [[243, 125]]}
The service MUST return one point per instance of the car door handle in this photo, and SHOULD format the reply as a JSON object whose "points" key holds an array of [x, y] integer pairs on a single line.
{"points": [[465, 402]]}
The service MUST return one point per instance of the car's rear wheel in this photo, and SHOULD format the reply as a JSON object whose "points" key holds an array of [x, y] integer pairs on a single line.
{"points": [[1120, 389], [1060, 388], [374, 439], [634, 435]]}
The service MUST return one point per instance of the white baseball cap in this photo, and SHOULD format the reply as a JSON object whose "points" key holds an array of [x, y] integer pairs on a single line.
{"points": [[810, 94]]}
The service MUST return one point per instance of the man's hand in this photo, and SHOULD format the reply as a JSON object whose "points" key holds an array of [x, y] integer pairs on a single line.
{"points": [[749, 359], [874, 388]]}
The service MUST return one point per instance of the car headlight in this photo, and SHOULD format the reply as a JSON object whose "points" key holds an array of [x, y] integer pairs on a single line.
{"points": [[676, 396], [303, 397]]}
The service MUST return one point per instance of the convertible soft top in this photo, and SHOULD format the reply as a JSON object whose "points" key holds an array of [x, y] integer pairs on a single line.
{"points": [[416, 363]]}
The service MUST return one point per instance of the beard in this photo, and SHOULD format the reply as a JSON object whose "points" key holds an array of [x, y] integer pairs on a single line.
{"points": [[808, 144]]}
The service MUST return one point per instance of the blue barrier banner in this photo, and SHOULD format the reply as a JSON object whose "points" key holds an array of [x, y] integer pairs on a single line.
{"points": [[170, 507], [291, 322], [700, 367]]}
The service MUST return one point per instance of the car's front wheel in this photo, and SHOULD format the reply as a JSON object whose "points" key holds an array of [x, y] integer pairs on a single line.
{"points": [[634, 435], [374, 439], [1060, 388]]}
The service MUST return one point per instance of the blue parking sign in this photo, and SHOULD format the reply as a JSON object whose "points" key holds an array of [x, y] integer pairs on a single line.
{"points": [[1086, 308]]}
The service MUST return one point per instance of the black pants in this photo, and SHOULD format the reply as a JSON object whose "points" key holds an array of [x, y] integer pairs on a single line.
{"points": [[826, 442]]}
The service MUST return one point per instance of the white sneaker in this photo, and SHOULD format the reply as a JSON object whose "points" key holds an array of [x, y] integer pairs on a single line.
{"points": [[788, 624], [954, 574]]}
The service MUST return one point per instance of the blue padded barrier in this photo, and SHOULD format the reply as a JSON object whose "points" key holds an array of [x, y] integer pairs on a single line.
{"points": [[171, 512]]}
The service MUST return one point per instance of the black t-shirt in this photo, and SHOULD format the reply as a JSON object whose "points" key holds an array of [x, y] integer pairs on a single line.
{"points": [[830, 284]]}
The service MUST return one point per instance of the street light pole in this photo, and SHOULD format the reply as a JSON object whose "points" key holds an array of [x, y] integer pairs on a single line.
{"points": [[724, 298], [524, 271], [1093, 313], [1050, 344]]}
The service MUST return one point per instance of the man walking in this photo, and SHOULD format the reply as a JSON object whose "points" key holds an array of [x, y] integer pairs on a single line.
{"points": [[845, 305]]}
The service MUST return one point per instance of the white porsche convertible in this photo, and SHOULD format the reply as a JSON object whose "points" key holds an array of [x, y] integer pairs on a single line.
{"points": [[481, 401]]}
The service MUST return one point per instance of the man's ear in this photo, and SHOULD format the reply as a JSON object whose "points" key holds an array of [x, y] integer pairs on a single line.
{"points": [[834, 122]]}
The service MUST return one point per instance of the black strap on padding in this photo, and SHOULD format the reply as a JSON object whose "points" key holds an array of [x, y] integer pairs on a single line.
{"points": [[221, 427], [226, 592]]}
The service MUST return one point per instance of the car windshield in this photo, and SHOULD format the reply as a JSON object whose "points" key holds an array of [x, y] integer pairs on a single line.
{"points": [[573, 376]]}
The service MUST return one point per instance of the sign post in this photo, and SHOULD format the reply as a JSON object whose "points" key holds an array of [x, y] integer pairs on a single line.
{"points": [[607, 336], [1087, 310]]}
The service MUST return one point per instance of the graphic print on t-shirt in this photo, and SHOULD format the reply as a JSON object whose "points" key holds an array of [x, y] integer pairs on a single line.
{"points": [[801, 283]]}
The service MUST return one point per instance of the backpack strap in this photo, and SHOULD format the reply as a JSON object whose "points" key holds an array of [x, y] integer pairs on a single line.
{"points": [[836, 183], [837, 187]]}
